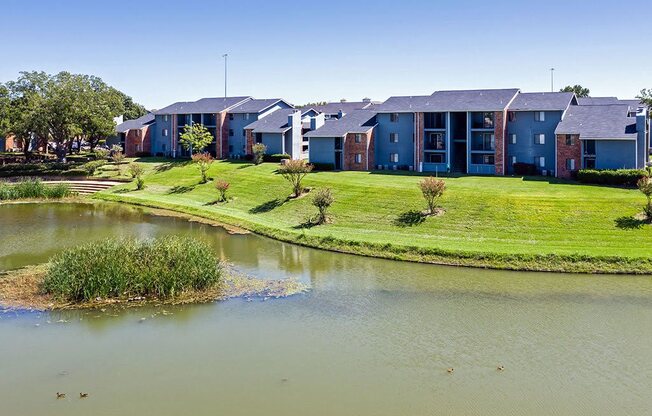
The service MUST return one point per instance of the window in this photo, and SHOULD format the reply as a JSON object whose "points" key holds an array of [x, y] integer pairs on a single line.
{"points": [[230, 116], [358, 158], [165, 132], [570, 164], [540, 161], [435, 141], [488, 120], [589, 147], [358, 139], [512, 138], [246, 116], [511, 116], [393, 137], [230, 132], [244, 133], [513, 160], [393, 117], [259, 137], [589, 163], [393, 157], [435, 120], [435, 157], [569, 140], [488, 141], [539, 139], [482, 159], [165, 117], [539, 116]]}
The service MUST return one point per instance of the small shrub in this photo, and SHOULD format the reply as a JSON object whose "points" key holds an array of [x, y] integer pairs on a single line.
{"points": [[618, 177], [204, 162], [33, 189], [222, 186], [258, 150], [432, 189], [135, 170], [91, 167], [140, 183], [323, 199], [276, 158], [163, 268], [294, 171], [101, 154], [645, 186]]}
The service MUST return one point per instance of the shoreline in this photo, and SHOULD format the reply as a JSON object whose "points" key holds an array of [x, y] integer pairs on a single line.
{"points": [[555, 263], [20, 289]]}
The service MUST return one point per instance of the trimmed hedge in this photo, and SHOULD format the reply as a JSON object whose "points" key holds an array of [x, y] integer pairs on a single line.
{"points": [[276, 158], [36, 169], [620, 177]]}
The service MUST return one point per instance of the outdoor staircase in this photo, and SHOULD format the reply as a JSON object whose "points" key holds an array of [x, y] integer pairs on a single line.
{"points": [[87, 187]]}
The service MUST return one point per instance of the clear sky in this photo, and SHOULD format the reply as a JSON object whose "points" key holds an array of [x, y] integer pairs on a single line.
{"points": [[164, 51]]}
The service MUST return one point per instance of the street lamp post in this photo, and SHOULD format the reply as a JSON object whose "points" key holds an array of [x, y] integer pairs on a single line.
{"points": [[226, 57], [552, 79]]}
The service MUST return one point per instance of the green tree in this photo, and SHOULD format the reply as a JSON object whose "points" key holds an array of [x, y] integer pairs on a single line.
{"points": [[98, 104], [258, 150], [645, 186], [646, 98], [579, 90], [204, 162], [132, 110], [195, 137]]}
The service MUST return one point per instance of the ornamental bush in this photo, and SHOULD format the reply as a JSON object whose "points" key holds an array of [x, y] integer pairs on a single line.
{"points": [[618, 177], [432, 189]]}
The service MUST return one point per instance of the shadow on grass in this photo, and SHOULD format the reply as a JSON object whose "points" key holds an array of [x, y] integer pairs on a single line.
{"points": [[169, 165], [409, 219], [267, 206], [123, 191], [306, 225], [630, 223], [179, 189]]}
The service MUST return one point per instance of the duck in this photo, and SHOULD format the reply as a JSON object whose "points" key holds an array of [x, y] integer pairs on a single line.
{"points": [[83, 395], [450, 370], [61, 395], [500, 368]]}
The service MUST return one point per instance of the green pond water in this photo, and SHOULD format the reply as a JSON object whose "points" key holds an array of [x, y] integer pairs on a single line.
{"points": [[372, 337]]}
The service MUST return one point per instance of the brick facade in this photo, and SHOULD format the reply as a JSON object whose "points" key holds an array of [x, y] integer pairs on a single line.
{"points": [[566, 151], [418, 140], [365, 148], [249, 145], [500, 123], [222, 150], [137, 141]]}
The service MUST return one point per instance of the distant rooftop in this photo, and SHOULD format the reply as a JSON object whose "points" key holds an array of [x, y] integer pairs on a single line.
{"points": [[277, 122], [345, 106], [256, 106], [599, 122], [135, 124], [542, 101], [358, 121], [205, 105]]}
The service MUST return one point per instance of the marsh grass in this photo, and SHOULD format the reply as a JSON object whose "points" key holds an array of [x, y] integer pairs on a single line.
{"points": [[162, 268], [33, 188]]}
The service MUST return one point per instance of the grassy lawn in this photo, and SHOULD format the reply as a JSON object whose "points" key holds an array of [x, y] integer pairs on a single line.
{"points": [[500, 222]]}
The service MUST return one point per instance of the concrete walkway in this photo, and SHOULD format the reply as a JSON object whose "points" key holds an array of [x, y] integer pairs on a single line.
{"points": [[87, 187]]}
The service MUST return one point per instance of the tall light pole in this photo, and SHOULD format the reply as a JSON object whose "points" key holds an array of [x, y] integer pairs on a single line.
{"points": [[552, 79], [226, 57]]}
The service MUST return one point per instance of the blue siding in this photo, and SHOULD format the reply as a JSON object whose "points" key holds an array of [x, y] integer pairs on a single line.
{"points": [[525, 150], [274, 142], [642, 152], [615, 154], [405, 146], [322, 150], [161, 144], [238, 141]]}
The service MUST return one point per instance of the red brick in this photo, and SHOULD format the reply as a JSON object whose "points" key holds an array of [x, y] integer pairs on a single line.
{"points": [[564, 151], [500, 123], [365, 148]]}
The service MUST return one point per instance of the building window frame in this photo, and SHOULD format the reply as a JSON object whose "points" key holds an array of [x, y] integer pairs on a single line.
{"points": [[393, 117], [393, 137], [358, 158], [358, 138], [165, 132], [540, 138], [540, 116], [512, 138], [570, 164], [393, 157]]}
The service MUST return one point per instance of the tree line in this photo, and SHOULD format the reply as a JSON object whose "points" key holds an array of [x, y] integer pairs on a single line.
{"points": [[61, 110]]}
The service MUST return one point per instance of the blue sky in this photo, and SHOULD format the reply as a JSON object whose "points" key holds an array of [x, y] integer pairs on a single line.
{"points": [[165, 51]]}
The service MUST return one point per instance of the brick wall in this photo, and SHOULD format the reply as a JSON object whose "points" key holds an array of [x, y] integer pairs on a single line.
{"points": [[249, 145], [222, 150], [138, 137], [418, 140], [351, 148], [500, 134], [564, 151]]}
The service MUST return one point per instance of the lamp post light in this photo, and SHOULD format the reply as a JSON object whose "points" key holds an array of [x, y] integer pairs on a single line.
{"points": [[226, 57]]}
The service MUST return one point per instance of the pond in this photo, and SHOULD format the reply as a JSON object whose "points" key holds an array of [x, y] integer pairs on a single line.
{"points": [[372, 337]]}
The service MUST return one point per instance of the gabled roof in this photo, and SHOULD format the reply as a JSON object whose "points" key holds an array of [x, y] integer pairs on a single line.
{"points": [[459, 100], [257, 106], [277, 122], [346, 107], [138, 123], [597, 100], [542, 101], [358, 121], [599, 122], [205, 105]]}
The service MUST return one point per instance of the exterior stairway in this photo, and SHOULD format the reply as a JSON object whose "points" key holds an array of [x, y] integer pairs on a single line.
{"points": [[87, 187]]}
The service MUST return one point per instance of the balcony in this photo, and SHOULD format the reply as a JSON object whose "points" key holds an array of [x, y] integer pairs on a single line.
{"points": [[482, 121]]}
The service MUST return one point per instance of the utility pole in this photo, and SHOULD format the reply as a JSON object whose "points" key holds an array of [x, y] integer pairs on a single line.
{"points": [[226, 57], [552, 79]]}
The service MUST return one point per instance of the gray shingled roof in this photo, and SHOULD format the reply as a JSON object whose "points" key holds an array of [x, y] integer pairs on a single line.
{"points": [[598, 122], [442, 101], [358, 121], [346, 107], [542, 101], [205, 105], [256, 106], [135, 124], [277, 122], [597, 100]]}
